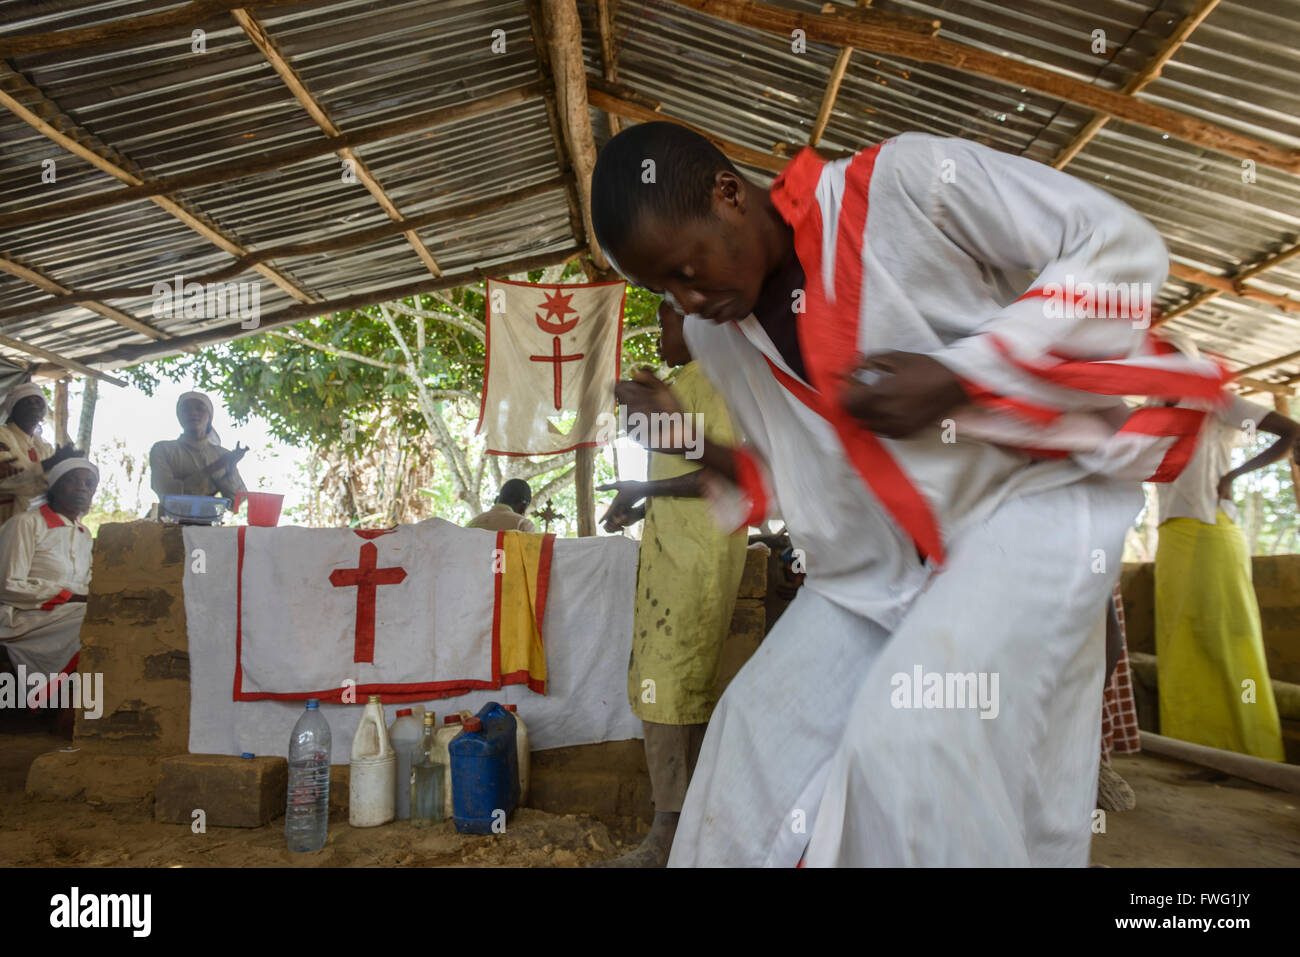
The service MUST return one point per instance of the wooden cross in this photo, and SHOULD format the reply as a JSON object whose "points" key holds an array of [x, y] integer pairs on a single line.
{"points": [[547, 514]]}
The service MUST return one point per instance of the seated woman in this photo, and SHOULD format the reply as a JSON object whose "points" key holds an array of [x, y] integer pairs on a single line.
{"points": [[25, 457], [195, 463], [45, 573]]}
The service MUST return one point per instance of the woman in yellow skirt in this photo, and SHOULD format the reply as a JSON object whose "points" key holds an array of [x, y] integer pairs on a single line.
{"points": [[1214, 687]]}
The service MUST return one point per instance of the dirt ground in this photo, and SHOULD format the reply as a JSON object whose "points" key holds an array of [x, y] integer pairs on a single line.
{"points": [[1182, 819], [76, 834]]}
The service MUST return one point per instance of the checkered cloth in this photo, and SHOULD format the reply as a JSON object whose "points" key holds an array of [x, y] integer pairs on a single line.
{"points": [[1119, 720]]}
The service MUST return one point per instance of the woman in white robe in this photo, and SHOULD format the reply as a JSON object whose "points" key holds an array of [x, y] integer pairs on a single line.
{"points": [[45, 573], [23, 452], [195, 463]]}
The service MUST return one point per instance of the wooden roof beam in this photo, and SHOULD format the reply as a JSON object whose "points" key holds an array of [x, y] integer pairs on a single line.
{"points": [[69, 298], [1235, 282], [577, 226], [1149, 72], [80, 142], [269, 160], [635, 111], [608, 56], [62, 363], [842, 30], [922, 26], [562, 29], [262, 40], [126, 355], [128, 30], [337, 243]]}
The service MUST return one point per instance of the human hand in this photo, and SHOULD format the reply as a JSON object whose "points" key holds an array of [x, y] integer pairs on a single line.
{"points": [[646, 395], [904, 392], [1225, 487], [622, 511]]}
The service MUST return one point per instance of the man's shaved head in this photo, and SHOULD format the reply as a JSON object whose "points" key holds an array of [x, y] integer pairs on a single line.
{"points": [[684, 165], [696, 231]]}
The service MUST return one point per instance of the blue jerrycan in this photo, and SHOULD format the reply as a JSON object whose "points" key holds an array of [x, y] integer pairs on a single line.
{"points": [[484, 771]]}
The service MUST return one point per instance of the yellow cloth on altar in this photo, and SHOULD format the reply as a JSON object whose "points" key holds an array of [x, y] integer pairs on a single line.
{"points": [[524, 580]]}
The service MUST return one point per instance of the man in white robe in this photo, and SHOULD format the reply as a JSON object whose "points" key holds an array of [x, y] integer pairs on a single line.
{"points": [[45, 557], [960, 497]]}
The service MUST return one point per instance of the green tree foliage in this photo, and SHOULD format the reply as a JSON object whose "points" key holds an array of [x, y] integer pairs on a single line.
{"points": [[345, 384]]}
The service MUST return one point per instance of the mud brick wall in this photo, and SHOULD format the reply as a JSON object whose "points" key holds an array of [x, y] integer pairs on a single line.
{"points": [[134, 633], [1277, 587]]}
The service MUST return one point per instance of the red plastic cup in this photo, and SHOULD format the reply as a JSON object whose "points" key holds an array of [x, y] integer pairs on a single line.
{"points": [[263, 507]]}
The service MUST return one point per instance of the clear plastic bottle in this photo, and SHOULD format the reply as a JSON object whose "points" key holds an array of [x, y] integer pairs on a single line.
{"points": [[307, 811], [427, 775]]}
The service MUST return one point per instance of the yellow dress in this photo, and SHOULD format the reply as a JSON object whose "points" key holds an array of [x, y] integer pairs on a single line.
{"points": [[688, 574], [27, 452], [1213, 678]]}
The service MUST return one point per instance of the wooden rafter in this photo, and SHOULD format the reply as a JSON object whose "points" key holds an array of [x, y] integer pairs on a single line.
{"points": [[126, 355], [69, 298], [608, 56], [128, 30], [336, 243], [269, 160], [844, 30], [262, 40], [635, 111], [1236, 284], [922, 26], [577, 227], [61, 363], [63, 131], [562, 29], [1148, 73]]}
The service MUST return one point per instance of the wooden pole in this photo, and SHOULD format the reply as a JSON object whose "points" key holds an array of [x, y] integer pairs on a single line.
{"points": [[89, 399], [584, 486], [61, 412], [563, 33]]}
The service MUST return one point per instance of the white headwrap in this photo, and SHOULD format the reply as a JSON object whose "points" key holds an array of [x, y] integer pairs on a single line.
{"points": [[17, 394], [212, 436], [69, 465]]}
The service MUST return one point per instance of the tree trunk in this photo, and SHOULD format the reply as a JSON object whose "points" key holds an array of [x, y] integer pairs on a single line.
{"points": [[89, 397]]}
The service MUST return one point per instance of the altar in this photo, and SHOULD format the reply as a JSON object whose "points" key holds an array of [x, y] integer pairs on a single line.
{"points": [[169, 681]]}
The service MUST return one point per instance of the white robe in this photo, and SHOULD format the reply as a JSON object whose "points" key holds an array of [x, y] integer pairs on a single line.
{"points": [[44, 560], [1028, 532]]}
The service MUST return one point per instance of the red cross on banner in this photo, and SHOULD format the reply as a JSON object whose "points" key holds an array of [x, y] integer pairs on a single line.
{"points": [[555, 358], [366, 578], [552, 361]]}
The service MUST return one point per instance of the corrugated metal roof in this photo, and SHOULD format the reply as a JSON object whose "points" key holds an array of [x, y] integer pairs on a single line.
{"points": [[165, 110]]}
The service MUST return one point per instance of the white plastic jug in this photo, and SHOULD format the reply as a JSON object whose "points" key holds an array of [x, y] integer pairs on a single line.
{"points": [[521, 747], [404, 734], [372, 776], [441, 739]]}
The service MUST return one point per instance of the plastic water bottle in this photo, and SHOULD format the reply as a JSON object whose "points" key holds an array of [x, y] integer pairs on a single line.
{"points": [[307, 813]]}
